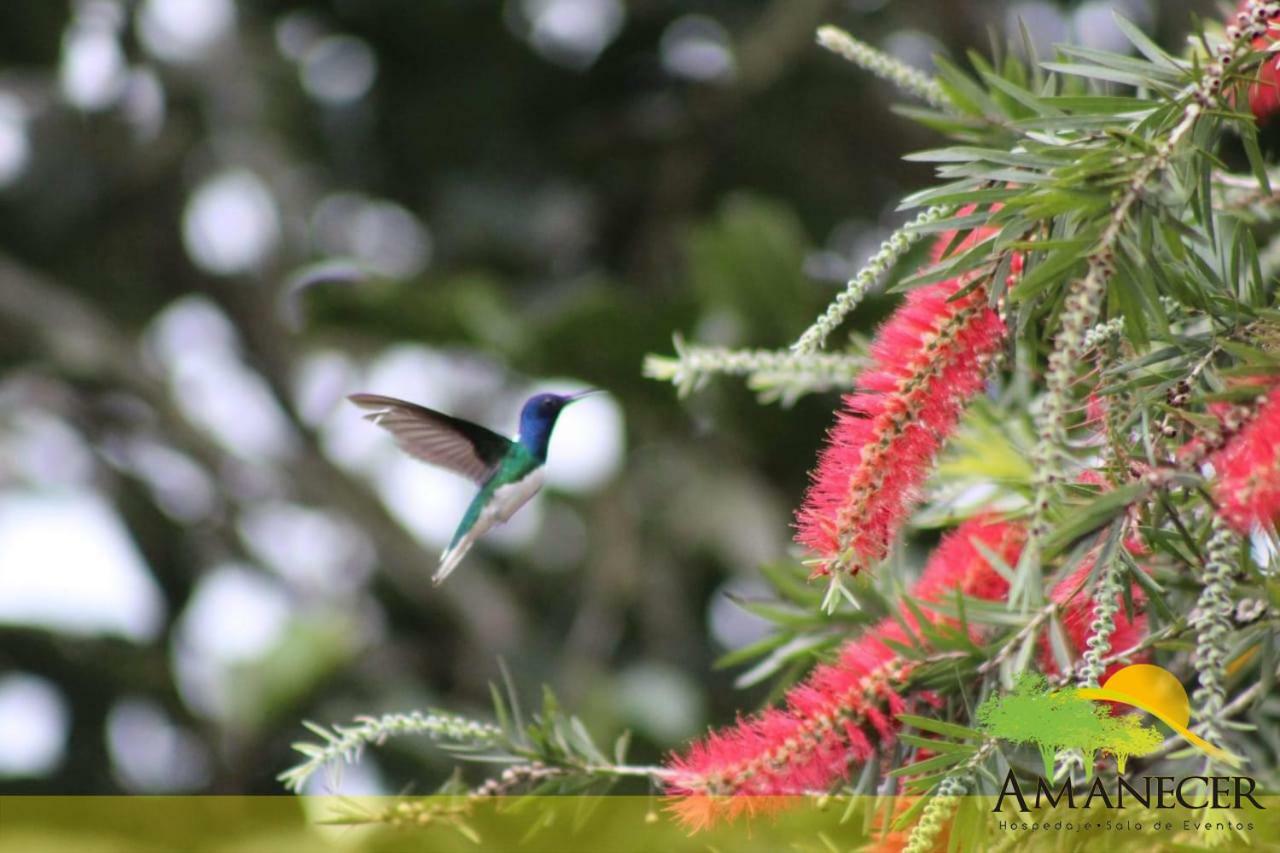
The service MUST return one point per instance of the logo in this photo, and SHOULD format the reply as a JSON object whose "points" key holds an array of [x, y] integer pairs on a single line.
{"points": [[1082, 719], [1088, 719]]}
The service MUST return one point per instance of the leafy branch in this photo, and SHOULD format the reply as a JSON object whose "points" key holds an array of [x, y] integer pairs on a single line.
{"points": [[551, 752]]}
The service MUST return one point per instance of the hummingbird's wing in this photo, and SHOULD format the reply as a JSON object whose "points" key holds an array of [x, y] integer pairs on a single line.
{"points": [[436, 438]]}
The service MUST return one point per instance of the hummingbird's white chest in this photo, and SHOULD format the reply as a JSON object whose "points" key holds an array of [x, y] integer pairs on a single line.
{"points": [[509, 498]]}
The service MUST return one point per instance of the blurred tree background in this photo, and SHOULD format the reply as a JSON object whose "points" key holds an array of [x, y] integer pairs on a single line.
{"points": [[218, 218]]}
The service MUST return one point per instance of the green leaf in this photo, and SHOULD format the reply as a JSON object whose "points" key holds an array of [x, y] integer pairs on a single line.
{"points": [[1145, 45], [940, 727], [1249, 136], [1153, 74], [1036, 105], [750, 651], [1052, 268], [937, 745], [1155, 593], [1059, 644], [1083, 105], [963, 93], [945, 761], [1090, 517], [1098, 72]]}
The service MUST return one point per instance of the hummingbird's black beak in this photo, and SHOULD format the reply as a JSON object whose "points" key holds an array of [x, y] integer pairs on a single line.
{"points": [[573, 398]]}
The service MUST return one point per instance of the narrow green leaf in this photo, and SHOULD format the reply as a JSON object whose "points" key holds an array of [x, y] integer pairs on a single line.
{"points": [[1045, 272], [1145, 45], [940, 727], [1249, 136], [944, 761], [1093, 515], [1098, 72], [938, 745]]}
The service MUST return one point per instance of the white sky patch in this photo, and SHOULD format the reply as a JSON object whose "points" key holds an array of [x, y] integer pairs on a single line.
{"points": [[42, 449], [659, 699], [93, 71], [320, 384], [67, 563], [15, 144], [390, 239], [192, 324], [361, 779], [1095, 23], [182, 489], [194, 342], [233, 404], [151, 755], [184, 30], [428, 501], [914, 47], [572, 32], [1264, 547], [33, 725], [144, 104], [381, 235], [697, 47], [338, 69], [313, 550], [231, 225], [730, 625], [1044, 21], [296, 32], [235, 616]]}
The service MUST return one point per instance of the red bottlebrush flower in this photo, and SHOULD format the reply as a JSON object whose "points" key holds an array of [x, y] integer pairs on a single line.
{"points": [[1264, 91], [1247, 488], [844, 711], [928, 360], [1075, 598]]}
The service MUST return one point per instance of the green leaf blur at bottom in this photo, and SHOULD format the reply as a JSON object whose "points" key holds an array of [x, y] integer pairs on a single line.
{"points": [[570, 824]]}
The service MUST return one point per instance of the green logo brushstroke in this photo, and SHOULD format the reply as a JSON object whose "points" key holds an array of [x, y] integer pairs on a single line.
{"points": [[1054, 720]]}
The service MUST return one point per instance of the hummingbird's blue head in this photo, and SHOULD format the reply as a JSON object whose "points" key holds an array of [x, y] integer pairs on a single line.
{"points": [[538, 417]]}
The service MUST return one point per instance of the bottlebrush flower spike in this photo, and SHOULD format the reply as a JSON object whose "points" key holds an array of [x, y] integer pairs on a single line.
{"points": [[1079, 611], [844, 711], [1247, 488], [928, 360], [1264, 92]]}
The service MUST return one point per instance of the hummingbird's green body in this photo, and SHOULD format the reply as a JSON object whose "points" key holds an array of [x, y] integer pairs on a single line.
{"points": [[508, 472], [518, 478]]}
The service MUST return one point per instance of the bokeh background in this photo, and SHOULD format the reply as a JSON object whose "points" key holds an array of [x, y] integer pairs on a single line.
{"points": [[217, 218]]}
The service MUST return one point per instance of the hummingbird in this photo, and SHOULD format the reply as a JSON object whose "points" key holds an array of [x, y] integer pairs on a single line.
{"points": [[508, 472]]}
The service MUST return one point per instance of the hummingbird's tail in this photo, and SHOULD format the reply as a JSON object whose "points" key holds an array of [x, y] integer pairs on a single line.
{"points": [[452, 556]]}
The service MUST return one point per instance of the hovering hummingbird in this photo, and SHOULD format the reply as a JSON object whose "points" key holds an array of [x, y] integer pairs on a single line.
{"points": [[508, 472]]}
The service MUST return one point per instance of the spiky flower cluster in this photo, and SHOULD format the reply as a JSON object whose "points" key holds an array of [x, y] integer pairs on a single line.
{"points": [[1247, 487], [844, 711], [928, 360], [1095, 622], [1212, 621], [1257, 21]]}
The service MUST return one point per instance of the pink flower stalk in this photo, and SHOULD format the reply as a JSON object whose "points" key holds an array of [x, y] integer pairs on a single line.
{"points": [[928, 360], [1078, 611], [1247, 488], [844, 711]]}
